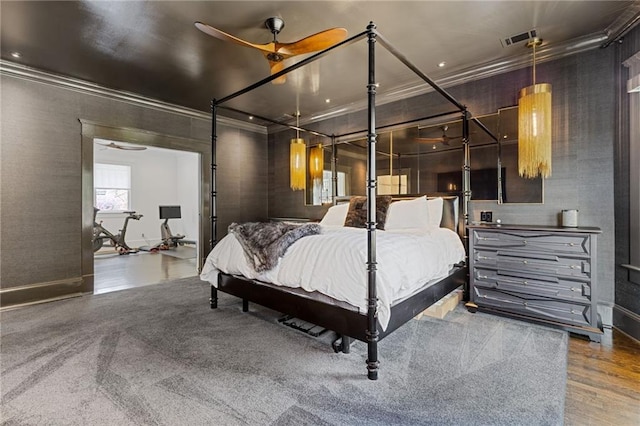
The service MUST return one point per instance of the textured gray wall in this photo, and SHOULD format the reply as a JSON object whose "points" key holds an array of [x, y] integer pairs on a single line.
{"points": [[41, 215], [583, 137]]}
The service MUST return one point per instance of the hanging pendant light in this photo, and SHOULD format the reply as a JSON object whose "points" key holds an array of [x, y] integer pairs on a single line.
{"points": [[534, 126], [297, 159], [316, 163]]}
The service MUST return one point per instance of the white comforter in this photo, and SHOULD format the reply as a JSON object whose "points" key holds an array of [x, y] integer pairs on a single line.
{"points": [[334, 263]]}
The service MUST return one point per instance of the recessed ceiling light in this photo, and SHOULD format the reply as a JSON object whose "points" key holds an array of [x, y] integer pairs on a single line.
{"points": [[327, 100], [442, 64], [251, 117], [16, 55]]}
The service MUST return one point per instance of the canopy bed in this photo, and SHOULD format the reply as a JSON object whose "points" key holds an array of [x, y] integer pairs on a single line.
{"points": [[375, 310]]}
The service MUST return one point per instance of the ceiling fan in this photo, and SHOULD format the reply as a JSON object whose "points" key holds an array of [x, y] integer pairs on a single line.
{"points": [[444, 139], [276, 52], [123, 147]]}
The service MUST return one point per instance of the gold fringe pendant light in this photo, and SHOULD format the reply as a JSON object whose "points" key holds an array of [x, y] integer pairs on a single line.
{"points": [[316, 163], [534, 126], [298, 160]]}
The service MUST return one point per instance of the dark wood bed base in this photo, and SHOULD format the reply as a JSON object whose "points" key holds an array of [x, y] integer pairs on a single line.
{"points": [[343, 321]]}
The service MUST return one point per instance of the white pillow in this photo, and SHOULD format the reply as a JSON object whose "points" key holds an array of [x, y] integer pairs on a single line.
{"points": [[408, 214], [435, 205], [336, 215]]}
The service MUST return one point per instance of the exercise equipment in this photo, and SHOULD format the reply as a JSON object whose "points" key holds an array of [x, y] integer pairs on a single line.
{"points": [[100, 234], [168, 239]]}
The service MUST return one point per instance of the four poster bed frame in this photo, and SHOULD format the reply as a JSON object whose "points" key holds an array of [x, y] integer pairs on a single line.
{"points": [[349, 323]]}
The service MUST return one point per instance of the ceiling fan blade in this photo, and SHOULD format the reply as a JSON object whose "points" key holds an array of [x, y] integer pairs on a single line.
{"points": [[221, 35], [313, 43], [131, 148], [123, 147], [275, 67], [431, 140]]}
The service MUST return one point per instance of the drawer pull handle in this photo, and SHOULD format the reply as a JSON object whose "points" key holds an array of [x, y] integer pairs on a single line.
{"points": [[525, 262], [524, 242], [483, 277], [525, 282], [572, 244], [573, 266], [575, 289], [524, 303]]}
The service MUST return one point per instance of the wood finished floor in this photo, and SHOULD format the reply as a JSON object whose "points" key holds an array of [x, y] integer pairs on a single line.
{"points": [[118, 272], [603, 380]]}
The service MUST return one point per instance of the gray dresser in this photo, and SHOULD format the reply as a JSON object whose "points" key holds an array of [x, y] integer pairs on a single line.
{"points": [[536, 273]]}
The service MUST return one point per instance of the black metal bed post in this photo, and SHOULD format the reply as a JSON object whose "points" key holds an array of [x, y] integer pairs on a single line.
{"points": [[334, 170], [466, 187], [213, 301], [500, 195], [372, 306]]}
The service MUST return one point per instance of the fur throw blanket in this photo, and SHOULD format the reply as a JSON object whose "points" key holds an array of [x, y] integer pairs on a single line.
{"points": [[265, 242]]}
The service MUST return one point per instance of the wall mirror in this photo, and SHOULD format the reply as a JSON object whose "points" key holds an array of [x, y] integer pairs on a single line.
{"points": [[429, 158]]}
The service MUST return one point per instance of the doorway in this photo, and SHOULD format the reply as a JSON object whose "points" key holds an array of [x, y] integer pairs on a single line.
{"points": [[160, 185], [148, 182]]}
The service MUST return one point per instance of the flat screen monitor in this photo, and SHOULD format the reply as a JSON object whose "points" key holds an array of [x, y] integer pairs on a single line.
{"points": [[170, 212], [484, 183]]}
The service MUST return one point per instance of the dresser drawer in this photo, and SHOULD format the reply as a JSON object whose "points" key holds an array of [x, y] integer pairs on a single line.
{"points": [[533, 263], [533, 241], [532, 306], [549, 287]]}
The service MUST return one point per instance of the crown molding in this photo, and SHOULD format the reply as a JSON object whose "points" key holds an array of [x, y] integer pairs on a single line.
{"points": [[13, 69], [549, 52]]}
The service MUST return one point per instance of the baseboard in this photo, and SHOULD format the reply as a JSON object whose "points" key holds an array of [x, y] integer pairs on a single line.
{"points": [[627, 322], [606, 314], [30, 294]]}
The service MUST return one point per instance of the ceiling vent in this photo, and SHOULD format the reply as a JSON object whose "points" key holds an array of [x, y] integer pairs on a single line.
{"points": [[518, 38]]}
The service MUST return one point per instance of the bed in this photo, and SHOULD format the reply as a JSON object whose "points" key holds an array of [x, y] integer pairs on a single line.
{"points": [[322, 278], [373, 310]]}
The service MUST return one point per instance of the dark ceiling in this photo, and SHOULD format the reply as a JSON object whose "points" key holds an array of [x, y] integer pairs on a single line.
{"points": [[153, 49]]}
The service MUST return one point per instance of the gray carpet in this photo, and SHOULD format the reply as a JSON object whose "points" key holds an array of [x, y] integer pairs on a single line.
{"points": [[159, 355]]}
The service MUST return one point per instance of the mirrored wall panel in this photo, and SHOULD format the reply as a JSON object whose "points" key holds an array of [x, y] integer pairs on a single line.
{"points": [[429, 159]]}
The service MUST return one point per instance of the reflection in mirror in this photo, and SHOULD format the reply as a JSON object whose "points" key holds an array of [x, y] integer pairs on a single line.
{"points": [[350, 172], [429, 159], [442, 163]]}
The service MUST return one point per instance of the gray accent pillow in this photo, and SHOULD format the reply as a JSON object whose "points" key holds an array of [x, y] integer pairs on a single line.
{"points": [[357, 214]]}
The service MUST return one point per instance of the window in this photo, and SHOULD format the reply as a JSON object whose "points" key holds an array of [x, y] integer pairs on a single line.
{"points": [[323, 190], [392, 184], [112, 187]]}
